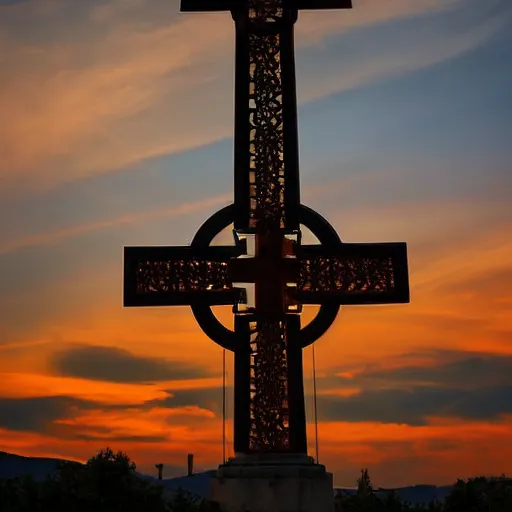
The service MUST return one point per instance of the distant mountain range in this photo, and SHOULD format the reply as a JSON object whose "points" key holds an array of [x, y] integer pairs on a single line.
{"points": [[12, 466], [38, 468]]}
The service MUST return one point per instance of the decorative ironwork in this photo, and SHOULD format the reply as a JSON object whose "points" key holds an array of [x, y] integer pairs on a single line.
{"points": [[180, 275], [266, 148], [269, 419], [353, 274], [269, 414], [336, 274], [174, 276]]}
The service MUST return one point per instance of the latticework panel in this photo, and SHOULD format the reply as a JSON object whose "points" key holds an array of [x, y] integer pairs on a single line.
{"points": [[173, 276], [266, 168], [342, 275], [182, 276], [269, 416]]}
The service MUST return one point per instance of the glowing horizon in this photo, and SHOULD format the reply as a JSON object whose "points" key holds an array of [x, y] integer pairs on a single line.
{"points": [[117, 131]]}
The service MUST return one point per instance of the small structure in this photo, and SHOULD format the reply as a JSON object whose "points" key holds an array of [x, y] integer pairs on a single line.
{"points": [[190, 464]]}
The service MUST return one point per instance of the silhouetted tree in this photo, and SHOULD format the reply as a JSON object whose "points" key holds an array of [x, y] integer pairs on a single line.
{"points": [[106, 483], [365, 498], [480, 494], [363, 501], [364, 484]]}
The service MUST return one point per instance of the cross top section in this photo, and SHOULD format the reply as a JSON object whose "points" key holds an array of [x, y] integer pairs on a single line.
{"points": [[230, 5]]}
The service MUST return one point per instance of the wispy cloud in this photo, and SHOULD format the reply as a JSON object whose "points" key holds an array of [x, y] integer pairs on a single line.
{"points": [[56, 236], [118, 96], [111, 393], [46, 238], [376, 63]]}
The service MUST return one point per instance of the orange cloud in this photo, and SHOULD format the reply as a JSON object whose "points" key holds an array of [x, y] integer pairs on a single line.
{"points": [[340, 392], [166, 423], [21, 385], [404, 455], [446, 451], [438, 429], [131, 219]]}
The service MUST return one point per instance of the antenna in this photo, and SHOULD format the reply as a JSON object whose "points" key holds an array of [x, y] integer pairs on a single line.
{"points": [[160, 468], [315, 403], [190, 464]]}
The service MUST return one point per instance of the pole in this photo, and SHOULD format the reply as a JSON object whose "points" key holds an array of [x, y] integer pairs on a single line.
{"points": [[224, 406], [315, 404]]}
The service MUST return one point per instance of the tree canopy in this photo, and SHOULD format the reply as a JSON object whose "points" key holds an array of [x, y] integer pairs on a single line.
{"points": [[108, 482]]}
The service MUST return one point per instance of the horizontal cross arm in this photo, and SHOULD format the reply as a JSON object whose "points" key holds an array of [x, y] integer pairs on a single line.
{"points": [[227, 5], [206, 5], [354, 274], [178, 276]]}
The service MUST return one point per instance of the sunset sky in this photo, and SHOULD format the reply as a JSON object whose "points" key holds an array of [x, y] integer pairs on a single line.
{"points": [[116, 129]]}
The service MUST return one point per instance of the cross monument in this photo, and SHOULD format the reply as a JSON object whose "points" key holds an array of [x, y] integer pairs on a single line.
{"points": [[267, 339]]}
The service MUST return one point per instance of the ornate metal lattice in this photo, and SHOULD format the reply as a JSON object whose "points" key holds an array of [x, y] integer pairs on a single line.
{"points": [[269, 417], [266, 167], [182, 276], [338, 274]]}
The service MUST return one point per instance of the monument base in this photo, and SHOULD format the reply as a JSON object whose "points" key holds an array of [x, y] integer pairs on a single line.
{"points": [[273, 483]]}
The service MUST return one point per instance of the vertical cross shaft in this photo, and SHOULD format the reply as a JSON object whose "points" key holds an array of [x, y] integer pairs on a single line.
{"points": [[267, 193], [269, 395]]}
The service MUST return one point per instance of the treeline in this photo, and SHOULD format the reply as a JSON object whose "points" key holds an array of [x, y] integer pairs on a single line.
{"points": [[479, 494], [108, 482]]}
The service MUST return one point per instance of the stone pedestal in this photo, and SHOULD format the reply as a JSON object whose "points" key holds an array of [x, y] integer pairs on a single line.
{"points": [[273, 483]]}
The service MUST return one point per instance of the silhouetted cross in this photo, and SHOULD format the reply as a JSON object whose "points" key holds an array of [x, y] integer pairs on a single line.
{"points": [[267, 340]]}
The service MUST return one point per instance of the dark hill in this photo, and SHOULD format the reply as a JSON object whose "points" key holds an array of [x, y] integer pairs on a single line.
{"points": [[12, 466]]}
